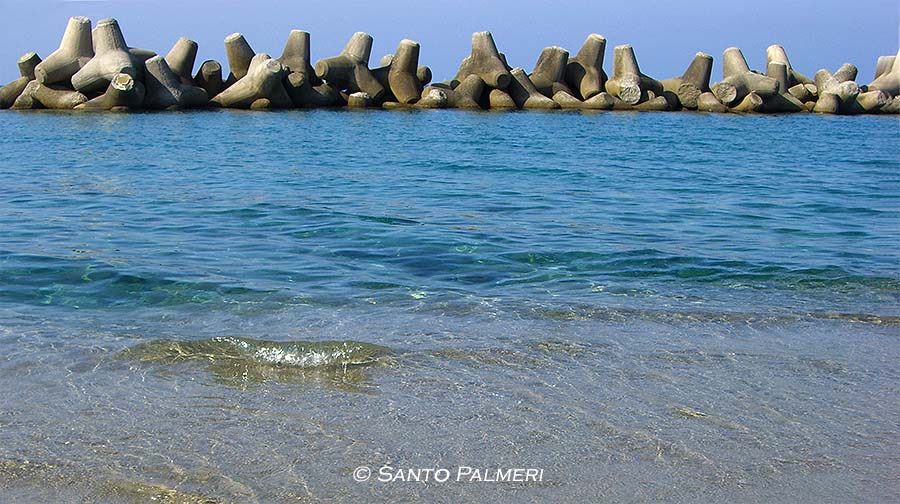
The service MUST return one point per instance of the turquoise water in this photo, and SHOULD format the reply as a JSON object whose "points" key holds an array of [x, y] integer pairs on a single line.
{"points": [[647, 306]]}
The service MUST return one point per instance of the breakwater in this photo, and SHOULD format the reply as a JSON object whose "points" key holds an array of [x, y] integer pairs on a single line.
{"points": [[95, 69]]}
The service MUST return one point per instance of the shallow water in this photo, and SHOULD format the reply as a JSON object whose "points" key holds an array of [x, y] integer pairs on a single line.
{"points": [[648, 307]]}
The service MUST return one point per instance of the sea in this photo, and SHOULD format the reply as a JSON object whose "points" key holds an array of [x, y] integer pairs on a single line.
{"points": [[448, 306]]}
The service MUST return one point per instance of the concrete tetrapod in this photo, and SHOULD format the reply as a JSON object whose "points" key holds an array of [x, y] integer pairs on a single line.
{"points": [[37, 95], [75, 50], [707, 102], [804, 92], [870, 102], [846, 72], [739, 80], [27, 64], [567, 102], [142, 55], [295, 56], [889, 81], [783, 101], [11, 91], [884, 65], [350, 69], [892, 106], [602, 101], [239, 54], [434, 98], [525, 95], [485, 62], [776, 54], [498, 99], [111, 57], [381, 74], [549, 74], [209, 78], [359, 100], [296, 61], [625, 83], [628, 84], [124, 93], [181, 59], [304, 95], [399, 74], [298, 71], [165, 91], [693, 83], [865, 102], [423, 73], [749, 104], [835, 97], [584, 72], [466, 95], [403, 77], [262, 82], [652, 104], [303, 86], [828, 103], [26, 99]]}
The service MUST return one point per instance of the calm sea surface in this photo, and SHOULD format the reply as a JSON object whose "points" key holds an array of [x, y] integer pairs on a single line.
{"points": [[246, 307]]}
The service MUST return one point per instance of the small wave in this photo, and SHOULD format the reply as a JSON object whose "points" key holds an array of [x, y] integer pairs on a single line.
{"points": [[240, 362], [232, 349]]}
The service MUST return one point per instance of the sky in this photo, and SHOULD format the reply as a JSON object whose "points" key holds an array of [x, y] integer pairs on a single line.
{"points": [[665, 34]]}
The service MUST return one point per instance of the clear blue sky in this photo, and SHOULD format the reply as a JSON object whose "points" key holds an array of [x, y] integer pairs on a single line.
{"points": [[665, 34]]}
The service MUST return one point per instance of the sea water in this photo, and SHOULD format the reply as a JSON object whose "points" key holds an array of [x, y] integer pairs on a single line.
{"points": [[261, 307]]}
